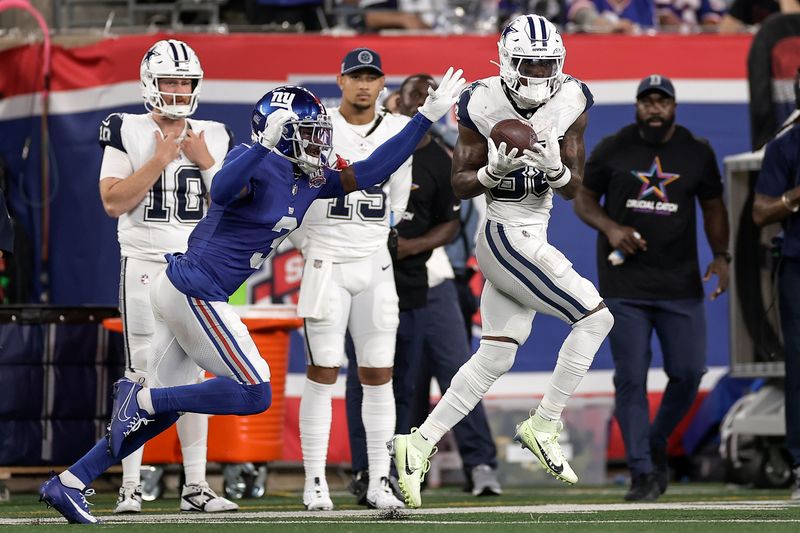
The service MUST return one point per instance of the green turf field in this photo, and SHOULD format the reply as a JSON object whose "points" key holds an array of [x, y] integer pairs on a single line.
{"points": [[705, 508]]}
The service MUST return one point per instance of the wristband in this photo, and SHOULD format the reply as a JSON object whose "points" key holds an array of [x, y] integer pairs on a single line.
{"points": [[486, 179], [560, 179]]}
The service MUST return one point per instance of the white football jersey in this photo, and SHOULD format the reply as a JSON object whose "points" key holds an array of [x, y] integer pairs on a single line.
{"points": [[523, 197], [355, 226], [165, 217]]}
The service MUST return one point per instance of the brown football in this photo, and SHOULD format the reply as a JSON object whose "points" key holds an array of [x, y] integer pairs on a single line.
{"points": [[516, 133]]}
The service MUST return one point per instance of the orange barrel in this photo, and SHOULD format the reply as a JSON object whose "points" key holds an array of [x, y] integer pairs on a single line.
{"points": [[241, 439]]}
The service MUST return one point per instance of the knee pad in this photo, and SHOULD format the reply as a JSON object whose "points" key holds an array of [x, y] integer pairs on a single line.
{"points": [[598, 323], [496, 358]]}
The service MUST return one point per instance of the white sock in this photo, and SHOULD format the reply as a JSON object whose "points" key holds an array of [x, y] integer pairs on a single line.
{"points": [[71, 480], [315, 429], [193, 434], [468, 387], [145, 400], [378, 415], [132, 468], [574, 360]]}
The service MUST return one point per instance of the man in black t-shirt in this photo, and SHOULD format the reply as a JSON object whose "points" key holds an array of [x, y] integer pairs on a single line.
{"points": [[650, 174]]}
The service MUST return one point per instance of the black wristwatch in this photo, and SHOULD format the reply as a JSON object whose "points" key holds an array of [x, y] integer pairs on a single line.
{"points": [[726, 255]]}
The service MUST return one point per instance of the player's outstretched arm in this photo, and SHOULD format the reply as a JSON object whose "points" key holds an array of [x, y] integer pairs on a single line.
{"points": [[390, 155], [233, 179]]}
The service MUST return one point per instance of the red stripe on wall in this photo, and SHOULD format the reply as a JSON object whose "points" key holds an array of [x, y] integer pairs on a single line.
{"points": [[275, 57]]}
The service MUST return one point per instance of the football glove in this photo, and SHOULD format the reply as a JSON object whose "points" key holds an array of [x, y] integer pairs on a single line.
{"points": [[271, 135], [439, 102], [500, 164], [547, 158]]}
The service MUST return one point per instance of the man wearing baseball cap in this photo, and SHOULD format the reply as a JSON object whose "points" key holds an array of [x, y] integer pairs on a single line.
{"points": [[651, 173], [348, 285]]}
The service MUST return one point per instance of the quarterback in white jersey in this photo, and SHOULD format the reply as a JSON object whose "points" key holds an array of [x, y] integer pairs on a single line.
{"points": [[156, 171], [524, 273], [348, 283]]}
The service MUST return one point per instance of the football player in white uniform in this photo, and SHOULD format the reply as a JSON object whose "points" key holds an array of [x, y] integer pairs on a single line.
{"points": [[348, 283], [524, 274], [156, 171]]}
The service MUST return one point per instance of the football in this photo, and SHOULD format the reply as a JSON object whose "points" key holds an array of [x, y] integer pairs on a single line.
{"points": [[516, 133]]}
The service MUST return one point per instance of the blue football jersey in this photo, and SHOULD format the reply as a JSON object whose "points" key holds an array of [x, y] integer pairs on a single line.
{"points": [[232, 241]]}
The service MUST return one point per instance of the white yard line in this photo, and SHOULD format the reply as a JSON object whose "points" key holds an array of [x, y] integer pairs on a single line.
{"points": [[533, 513]]}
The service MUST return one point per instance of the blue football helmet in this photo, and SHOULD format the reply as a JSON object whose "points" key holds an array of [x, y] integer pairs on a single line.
{"points": [[307, 141]]}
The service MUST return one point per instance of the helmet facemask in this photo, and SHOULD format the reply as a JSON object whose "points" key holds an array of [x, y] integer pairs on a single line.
{"points": [[531, 81], [164, 103], [311, 141]]}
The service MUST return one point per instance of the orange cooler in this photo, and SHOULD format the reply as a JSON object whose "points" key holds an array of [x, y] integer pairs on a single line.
{"points": [[242, 439]]}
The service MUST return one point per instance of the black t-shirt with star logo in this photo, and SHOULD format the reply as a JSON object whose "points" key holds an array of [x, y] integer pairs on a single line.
{"points": [[652, 188], [431, 202]]}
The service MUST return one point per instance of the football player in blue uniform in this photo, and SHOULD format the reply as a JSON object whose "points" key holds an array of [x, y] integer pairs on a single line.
{"points": [[259, 196]]}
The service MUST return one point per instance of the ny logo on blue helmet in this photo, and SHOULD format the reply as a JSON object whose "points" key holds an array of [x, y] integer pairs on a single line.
{"points": [[306, 140]]}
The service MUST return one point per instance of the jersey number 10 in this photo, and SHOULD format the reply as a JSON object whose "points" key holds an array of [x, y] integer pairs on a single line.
{"points": [[189, 198]]}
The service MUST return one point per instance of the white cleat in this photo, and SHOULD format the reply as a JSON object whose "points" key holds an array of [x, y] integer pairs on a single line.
{"points": [[200, 498], [130, 499], [540, 436], [383, 497], [317, 497]]}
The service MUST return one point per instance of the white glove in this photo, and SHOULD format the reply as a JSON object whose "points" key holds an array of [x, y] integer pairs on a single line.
{"points": [[500, 164], [547, 158], [439, 102], [271, 135]]}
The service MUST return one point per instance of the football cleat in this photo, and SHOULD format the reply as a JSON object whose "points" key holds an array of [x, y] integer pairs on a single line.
{"points": [[130, 499], [412, 464], [68, 501], [540, 436], [317, 497], [383, 497], [198, 497], [126, 417]]}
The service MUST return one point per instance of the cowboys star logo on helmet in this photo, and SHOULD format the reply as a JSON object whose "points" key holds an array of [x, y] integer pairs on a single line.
{"points": [[531, 59], [170, 59]]}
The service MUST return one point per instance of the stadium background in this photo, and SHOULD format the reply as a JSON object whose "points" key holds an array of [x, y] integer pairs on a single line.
{"points": [[88, 82]]}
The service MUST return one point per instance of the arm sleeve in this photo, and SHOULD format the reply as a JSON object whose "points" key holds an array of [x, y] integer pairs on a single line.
{"points": [[400, 190], [235, 174], [116, 164], [390, 155], [776, 169]]}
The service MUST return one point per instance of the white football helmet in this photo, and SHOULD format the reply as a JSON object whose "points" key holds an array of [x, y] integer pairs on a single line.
{"points": [[531, 44], [170, 59]]}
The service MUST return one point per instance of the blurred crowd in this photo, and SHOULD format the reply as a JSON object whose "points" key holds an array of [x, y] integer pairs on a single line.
{"points": [[487, 16]]}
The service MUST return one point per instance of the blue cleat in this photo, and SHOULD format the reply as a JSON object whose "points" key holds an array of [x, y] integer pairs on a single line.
{"points": [[71, 503], [126, 416]]}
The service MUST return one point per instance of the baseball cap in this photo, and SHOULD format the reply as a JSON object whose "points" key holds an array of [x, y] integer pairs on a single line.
{"points": [[361, 58], [655, 82]]}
